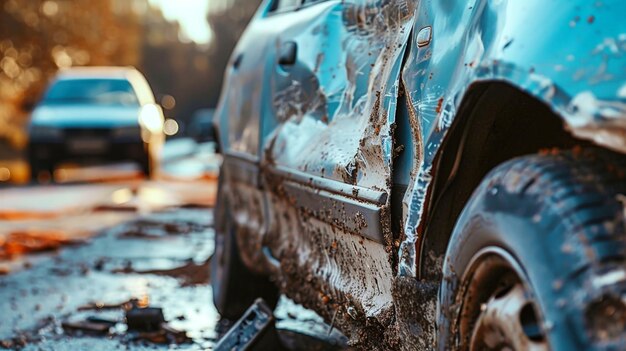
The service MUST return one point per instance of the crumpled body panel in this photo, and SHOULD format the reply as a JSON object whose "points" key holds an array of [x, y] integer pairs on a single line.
{"points": [[310, 108], [334, 120]]}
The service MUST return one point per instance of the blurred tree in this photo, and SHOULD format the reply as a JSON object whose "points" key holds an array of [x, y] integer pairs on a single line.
{"points": [[37, 37], [177, 70], [193, 74], [228, 20]]}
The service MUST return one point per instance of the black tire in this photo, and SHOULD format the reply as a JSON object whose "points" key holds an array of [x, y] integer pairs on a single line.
{"points": [[37, 166], [234, 287], [558, 222], [34, 172]]}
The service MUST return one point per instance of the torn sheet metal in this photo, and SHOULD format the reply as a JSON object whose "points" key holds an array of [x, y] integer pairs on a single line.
{"points": [[335, 109]]}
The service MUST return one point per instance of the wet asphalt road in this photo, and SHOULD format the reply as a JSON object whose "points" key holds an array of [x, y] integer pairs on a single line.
{"points": [[155, 252], [161, 260], [53, 287]]}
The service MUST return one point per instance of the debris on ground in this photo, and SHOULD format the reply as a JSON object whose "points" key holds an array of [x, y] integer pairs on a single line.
{"points": [[146, 319], [189, 274], [22, 238], [142, 323], [99, 320], [148, 228], [151, 325], [97, 306], [87, 327], [255, 330], [47, 218]]}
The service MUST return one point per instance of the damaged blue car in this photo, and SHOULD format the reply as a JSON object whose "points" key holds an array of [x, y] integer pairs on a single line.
{"points": [[430, 174]]}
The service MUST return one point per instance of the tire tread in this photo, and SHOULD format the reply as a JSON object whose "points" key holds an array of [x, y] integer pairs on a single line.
{"points": [[578, 189]]}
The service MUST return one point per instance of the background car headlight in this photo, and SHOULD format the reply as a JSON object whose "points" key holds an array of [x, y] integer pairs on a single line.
{"points": [[127, 132], [151, 118], [45, 132]]}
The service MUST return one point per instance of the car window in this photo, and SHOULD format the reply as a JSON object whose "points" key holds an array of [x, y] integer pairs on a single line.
{"points": [[92, 91], [284, 5]]}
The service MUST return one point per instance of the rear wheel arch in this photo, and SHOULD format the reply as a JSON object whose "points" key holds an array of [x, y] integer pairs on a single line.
{"points": [[497, 122]]}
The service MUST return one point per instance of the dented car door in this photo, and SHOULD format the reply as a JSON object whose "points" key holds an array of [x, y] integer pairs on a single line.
{"points": [[328, 146]]}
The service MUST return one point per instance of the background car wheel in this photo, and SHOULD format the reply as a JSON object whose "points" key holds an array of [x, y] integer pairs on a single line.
{"points": [[147, 166], [234, 287], [537, 259], [37, 167]]}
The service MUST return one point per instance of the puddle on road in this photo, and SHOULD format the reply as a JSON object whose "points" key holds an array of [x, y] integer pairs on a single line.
{"points": [[171, 273]]}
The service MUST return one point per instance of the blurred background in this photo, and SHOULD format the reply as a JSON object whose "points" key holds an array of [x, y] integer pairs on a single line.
{"points": [[181, 46], [94, 235]]}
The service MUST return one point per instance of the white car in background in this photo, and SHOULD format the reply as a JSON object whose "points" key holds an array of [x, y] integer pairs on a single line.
{"points": [[96, 114]]}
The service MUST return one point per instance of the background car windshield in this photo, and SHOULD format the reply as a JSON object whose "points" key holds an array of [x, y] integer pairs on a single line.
{"points": [[92, 91]]}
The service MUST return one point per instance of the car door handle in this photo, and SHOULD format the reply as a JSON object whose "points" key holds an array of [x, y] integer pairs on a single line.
{"points": [[237, 61], [288, 53]]}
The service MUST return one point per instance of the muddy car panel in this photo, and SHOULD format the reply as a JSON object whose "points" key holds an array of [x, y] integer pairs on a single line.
{"points": [[330, 156], [321, 88]]}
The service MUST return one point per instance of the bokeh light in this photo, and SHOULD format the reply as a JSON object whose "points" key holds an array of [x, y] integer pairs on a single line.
{"points": [[5, 174], [168, 102], [170, 127]]}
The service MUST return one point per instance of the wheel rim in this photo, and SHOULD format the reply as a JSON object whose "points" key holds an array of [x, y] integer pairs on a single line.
{"points": [[498, 309]]}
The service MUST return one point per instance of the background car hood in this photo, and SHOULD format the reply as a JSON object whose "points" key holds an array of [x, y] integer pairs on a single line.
{"points": [[67, 116]]}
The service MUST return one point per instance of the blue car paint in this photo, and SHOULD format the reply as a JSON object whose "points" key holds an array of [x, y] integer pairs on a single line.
{"points": [[331, 115], [565, 53]]}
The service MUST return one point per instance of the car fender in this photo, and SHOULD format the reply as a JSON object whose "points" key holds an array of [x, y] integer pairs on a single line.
{"points": [[570, 55]]}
